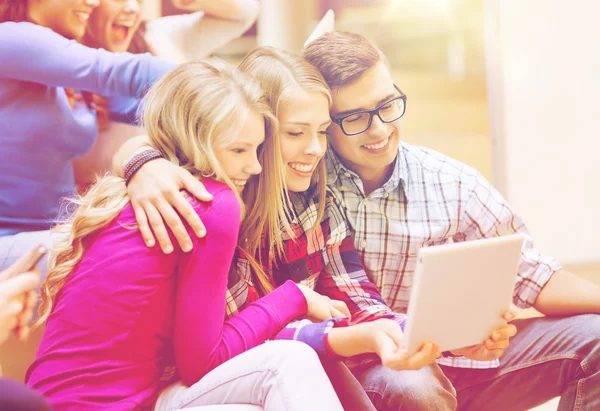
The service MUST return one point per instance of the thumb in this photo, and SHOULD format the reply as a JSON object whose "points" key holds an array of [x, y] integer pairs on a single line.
{"points": [[335, 313], [23, 263], [19, 285]]}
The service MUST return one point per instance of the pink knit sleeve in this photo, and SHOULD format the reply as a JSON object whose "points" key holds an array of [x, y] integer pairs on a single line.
{"points": [[202, 338]]}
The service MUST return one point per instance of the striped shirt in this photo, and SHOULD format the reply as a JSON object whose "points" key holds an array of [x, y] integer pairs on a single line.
{"points": [[320, 255], [430, 199]]}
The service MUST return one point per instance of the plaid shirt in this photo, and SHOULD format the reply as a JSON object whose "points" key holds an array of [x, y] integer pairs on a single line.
{"points": [[322, 257], [430, 199]]}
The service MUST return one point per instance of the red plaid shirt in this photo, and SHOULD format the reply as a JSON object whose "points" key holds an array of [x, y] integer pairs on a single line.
{"points": [[321, 256]]}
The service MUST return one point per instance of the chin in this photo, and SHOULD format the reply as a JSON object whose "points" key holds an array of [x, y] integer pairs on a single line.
{"points": [[298, 188]]}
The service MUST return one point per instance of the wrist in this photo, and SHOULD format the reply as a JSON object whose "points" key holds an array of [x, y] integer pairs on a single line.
{"points": [[351, 340], [138, 160], [127, 150]]}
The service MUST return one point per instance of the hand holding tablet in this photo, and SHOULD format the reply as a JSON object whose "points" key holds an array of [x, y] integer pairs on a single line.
{"points": [[460, 293]]}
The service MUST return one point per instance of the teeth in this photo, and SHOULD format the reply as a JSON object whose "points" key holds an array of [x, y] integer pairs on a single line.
{"points": [[128, 24], [377, 146], [82, 15], [304, 168], [239, 183]]}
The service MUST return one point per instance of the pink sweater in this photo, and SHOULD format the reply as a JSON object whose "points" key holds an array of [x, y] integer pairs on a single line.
{"points": [[130, 319]]}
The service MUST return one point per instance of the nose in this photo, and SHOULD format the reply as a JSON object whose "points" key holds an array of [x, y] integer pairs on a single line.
{"points": [[315, 146], [92, 3], [253, 167], [378, 127], [132, 6]]}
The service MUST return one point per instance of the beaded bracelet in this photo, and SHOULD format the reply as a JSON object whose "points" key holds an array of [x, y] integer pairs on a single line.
{"points": [[136, 158], [138, 161]]}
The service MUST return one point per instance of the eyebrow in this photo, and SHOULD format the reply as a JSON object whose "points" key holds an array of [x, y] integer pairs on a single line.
{"points": [[245, 143], [354, 110], [298, 123]]}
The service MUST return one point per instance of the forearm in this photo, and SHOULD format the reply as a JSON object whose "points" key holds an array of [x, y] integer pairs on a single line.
{"points": [[129, 149], [223, 9], [567, 294], [350, 341]]}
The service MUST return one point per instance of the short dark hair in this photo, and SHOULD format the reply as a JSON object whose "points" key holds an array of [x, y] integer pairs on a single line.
{"points": [[342, 57]]}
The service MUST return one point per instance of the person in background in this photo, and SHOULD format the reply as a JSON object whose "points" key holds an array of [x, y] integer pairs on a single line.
{"points": [[46, 122], [17, 302], [125, 321], [117, 26]]}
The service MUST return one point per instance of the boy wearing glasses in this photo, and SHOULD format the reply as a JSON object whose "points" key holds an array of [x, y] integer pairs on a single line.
{"points": [[399, 198]]}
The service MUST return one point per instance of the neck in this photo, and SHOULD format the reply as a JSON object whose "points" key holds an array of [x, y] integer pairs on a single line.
{"points": [[373, 179], [89, 41]]}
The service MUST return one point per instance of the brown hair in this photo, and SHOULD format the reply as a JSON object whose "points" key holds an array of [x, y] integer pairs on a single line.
{"points": [[138, 42], [13, 10], [342, 57]]}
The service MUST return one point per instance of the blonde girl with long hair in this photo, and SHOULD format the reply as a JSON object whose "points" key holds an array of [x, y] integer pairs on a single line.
{"points": [[313, 245], [129, 327]]}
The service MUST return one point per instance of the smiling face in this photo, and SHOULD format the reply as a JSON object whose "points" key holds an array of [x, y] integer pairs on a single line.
{"points": [[303, 121], [371, 153], [113, 24], [239, 159], [69, 18]]}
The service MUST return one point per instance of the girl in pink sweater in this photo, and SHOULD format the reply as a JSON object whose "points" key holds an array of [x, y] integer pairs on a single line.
{"points": [[119, 314]]}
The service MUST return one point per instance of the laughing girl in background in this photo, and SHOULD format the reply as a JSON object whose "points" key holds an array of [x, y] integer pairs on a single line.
{"points": [[45, 124]]}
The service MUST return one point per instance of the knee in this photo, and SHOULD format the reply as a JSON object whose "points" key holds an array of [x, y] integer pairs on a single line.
{"points": [[585, 328], [427, 393], [293, 355], [417, 390], [590, 333]]}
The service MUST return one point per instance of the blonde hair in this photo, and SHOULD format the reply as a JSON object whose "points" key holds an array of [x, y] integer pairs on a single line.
{"points": [[282, 75], [342, 57], [197, 106]]}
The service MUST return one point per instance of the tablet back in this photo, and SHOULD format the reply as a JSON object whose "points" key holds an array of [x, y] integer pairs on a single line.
{"points": [[461, 291]]}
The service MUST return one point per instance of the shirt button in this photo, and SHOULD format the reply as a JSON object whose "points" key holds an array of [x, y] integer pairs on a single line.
{"points": [[386, 195], [363, 244], [347, 175]]}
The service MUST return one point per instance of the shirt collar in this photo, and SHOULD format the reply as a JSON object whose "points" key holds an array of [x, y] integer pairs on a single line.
{"points": [[336, 171]]}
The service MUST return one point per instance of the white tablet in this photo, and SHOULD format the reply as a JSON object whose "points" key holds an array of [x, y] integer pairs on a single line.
{"points": [[461, 290], [326, 25]]}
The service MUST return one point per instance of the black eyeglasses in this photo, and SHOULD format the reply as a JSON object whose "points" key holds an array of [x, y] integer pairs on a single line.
{"points": [[360, 121]]}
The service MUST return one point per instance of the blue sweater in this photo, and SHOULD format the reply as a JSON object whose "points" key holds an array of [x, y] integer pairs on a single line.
{"points": [[40, 134]]}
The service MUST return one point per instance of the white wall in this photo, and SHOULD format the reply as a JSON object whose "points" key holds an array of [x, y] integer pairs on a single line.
{"points": [[151, 9], [544, 90]]}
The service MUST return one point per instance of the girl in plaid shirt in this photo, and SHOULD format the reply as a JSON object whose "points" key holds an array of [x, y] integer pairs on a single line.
{"points": [[313, 245]]}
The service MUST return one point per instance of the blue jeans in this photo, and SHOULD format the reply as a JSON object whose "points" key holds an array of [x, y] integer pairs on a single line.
{"points": [[425, 389], [548, 357]]}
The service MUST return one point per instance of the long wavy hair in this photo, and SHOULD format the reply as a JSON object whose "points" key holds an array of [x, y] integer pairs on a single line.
{"points": [[281, 75], [197, 106]]}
